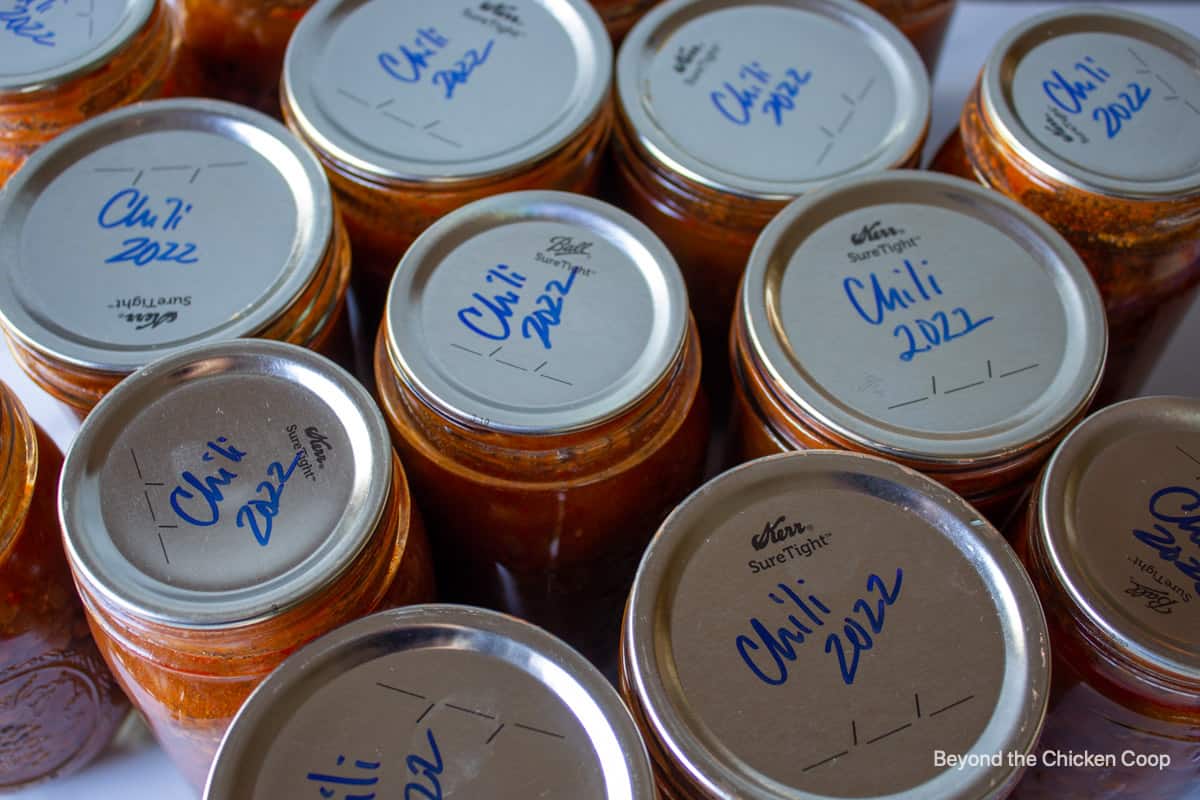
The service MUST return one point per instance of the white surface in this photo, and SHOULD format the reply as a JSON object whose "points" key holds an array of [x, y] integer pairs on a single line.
{"points": [[134, 767]]}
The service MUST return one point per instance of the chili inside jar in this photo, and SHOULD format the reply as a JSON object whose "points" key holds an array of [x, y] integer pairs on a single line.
{"points": [[540, 373], [620, 15], [924, 22], [1111, 543], [729, 110], [417, 108], [222, 507], [61, 64], [434, 701], [163, 225], [59, 704], [833, 625], [922, 318], [233, 49], [1091, 118]]}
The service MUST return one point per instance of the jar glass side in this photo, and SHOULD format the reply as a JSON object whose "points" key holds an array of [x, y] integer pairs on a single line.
{"points": [[190, 682], [551, 527], [924, 22], [59, 701]]}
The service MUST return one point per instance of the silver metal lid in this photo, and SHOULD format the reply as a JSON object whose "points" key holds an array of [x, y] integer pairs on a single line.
{"points": [[46, 42], [1120, 514], [426, 90], [772, 99], [925, 317], [434, 701], [158, 226], [1100, 99], [225, 483], [536, 312], [822, 624]]}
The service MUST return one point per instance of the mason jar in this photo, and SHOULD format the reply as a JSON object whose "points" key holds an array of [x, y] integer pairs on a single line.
{"points": [[61, 64], [924, 22], [541, 376], [832, 625], [921, 318], [163, 225], [434, 701], [1091, 118], [221, 508], [1111, 542]]}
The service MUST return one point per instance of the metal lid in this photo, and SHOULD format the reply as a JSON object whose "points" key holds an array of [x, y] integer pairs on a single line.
{"points": [[157, 226], [535, 312], [1120, 510], [772, 99], [925, 317], [426, 90], [434, 701], [225, 483], [822, 624], [46, 42], [1100, 99]]}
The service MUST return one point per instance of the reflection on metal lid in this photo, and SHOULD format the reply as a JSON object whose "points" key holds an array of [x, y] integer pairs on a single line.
{"points": [[158, 226], [925, 317], [818, 624], [225, 483], [450, 700], [772, 99], [46, 42], [1100, 99], [536, 312], [426, 90], [1119, 508]]}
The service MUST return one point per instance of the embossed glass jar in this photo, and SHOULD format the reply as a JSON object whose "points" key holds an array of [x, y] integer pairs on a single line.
{"points": [[233, 49], [434, 701], [832, 625], [1091, 118], [61, 64], [540, 373], [59, 705], [163, 225], [417, 108], [921, 318], [924, 22], [221, 508], [1111, 541], [727, 111]]}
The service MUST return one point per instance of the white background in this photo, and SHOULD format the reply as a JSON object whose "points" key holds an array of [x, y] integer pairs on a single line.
{"points": [[134, 767]]}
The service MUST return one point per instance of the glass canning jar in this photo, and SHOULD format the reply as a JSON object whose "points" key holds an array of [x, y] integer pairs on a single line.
{"points": [[61, 65], [921, 318], [924, 22], [428, 700], [59, 705], [826, 625], [1112, 542], [540, 373], [418, 108], [729, 110], [222, 507], [1091, 118], [233, 49], [163, 225], [620, 15]]}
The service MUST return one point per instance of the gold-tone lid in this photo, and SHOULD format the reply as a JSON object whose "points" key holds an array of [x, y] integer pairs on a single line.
{"points": [[1119, 513], [824, 625]]}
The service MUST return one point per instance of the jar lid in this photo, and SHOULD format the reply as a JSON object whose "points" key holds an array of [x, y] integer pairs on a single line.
{"points": [[535, 312], [1100, 99], [772, 99], [434, 701], [1119, 513], [46, 42], [430, 91], [824, 624], [925, 317], [158, 226], [223, 484]]}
